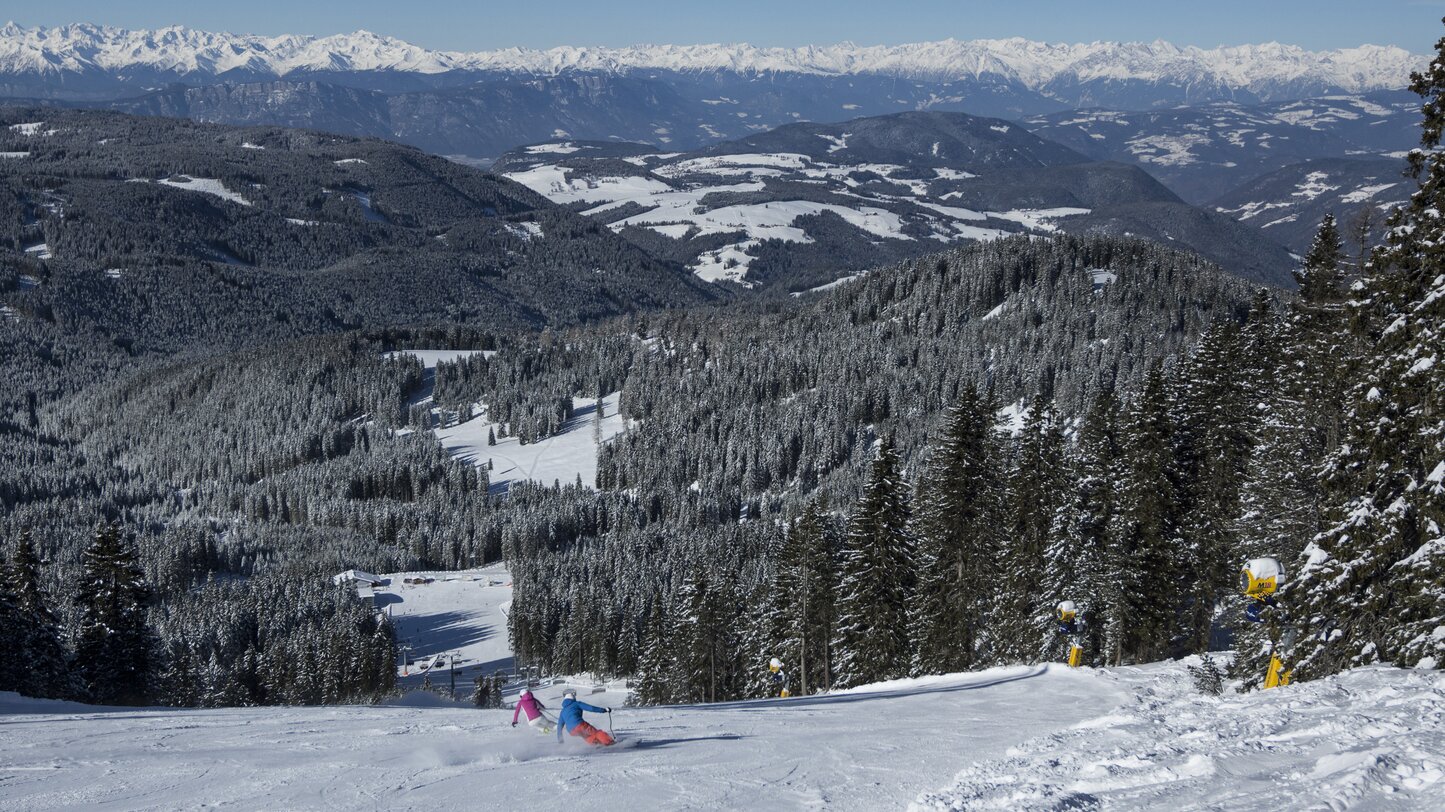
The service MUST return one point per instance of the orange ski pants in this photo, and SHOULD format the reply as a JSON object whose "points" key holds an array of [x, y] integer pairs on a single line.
{"points": [[591, 734]]}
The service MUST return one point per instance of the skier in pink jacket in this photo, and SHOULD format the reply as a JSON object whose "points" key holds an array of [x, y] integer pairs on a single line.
{"points": [[529, 705]]}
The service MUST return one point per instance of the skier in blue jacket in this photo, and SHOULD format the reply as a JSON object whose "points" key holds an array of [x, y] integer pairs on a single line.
{"points": [[570, 719]]}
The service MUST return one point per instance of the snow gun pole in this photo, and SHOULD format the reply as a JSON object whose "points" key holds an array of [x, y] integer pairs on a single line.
{"points": [[609, 725]]}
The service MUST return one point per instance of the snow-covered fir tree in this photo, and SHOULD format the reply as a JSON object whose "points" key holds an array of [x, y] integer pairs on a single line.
{"points": [[1082, 562], [1146, 529], [1036, 487], [114, 643], [876, 578], [1371, 587], [40, 650], [957, 523], [802, 601]]}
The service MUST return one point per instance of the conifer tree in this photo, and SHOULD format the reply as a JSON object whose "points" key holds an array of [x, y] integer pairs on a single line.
{"points": [[802, 600], [1214, 434], [114, 642], [957, 520], [1036, 487], [876, 579], [13, 676], [47, 669], [710, 634], [1081, 561], [1371, 588], [656, 682], [1321, 278], [1146, 529]]}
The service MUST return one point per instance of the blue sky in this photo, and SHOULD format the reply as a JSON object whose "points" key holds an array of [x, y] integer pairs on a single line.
{"points": [[485, 24]]}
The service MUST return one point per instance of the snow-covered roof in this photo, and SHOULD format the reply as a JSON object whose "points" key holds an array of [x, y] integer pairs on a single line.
{"points": [[357, 576]]}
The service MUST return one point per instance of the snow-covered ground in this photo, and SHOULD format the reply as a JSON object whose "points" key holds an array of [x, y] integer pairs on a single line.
{"points": [[1026, 738], [209, 186], [1373, 738], [456, 615], [565, 457], [677, 207], [864, 751]]}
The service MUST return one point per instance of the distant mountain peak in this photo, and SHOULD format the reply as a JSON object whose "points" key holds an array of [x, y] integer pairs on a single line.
{"points": [[1262, 69]]}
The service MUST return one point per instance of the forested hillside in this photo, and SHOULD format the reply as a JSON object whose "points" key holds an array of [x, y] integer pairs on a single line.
{"points": [[166, 234], [902, 474], [281, 462]]}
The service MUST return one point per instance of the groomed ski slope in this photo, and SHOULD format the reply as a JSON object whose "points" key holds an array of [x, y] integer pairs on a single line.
{"points": [[865, 750], [1025, 738]]}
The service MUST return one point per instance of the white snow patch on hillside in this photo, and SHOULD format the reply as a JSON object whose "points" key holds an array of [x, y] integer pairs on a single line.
{"points": [[563, 458], [945, 173], [1313, 186], [429, 358], [346, 161], [1011, 418], [1102, 277], [14, 154], [1039, 219], [249, 145], [836, 143], [552, 182], [1371, 738], [448, 616], [28, 128], [676, 231], [782, 160], [113, 273], [208, 186], [1167, 150], [564, 148], [836, 283], [39, 251], [296, 221], [1364, 193], [8, 313], [527, 230]]}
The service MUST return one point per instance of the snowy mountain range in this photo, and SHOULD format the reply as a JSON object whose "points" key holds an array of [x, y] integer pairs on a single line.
{"points": [[1060, 70]]}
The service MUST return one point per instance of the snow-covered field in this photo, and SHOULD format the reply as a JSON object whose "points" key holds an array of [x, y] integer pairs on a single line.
{"points": [[565, 457], [1025, 738], [672, 202], [861, 751], [457, 615]]}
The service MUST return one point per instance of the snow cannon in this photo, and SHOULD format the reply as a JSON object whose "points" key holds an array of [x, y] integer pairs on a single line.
{"points": [[1068, 611], [1260, 578]]}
